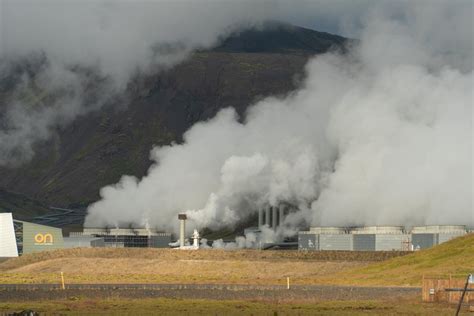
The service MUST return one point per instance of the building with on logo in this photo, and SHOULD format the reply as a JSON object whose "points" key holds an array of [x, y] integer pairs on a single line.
{"points": [[20, 237]]}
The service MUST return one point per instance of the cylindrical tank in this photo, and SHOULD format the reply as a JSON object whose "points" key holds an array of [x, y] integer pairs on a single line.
{"points": [[328, 230], [377, 230], [436, 229]]}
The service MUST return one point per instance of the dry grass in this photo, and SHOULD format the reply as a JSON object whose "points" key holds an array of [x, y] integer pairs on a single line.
{"points": [[203, 254], [108, 265], [133, 270], [455, 257], [161, 306]]}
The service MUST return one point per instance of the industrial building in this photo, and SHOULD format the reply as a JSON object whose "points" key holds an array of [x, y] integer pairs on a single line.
{"points": [[123, 237], [377, 238], [429, 236], [20, 237]]}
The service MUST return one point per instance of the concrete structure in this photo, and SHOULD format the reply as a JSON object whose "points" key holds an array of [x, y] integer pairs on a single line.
{"points": [[377, 238], [127, 237], [182, 229], [8, 245]]}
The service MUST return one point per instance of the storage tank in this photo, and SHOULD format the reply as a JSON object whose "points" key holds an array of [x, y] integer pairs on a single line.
{"points": [[328, 230]]}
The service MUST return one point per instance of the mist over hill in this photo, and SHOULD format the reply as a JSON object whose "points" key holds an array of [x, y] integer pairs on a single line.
{"points": [[96, 149]]}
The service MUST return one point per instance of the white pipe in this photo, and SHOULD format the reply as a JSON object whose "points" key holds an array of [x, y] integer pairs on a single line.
{"points": [[181, 232]]}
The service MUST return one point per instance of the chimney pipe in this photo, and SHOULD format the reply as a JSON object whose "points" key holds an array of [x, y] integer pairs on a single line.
{"points": [[274, 217], [281, 216], [182, 228], [267, 215]]}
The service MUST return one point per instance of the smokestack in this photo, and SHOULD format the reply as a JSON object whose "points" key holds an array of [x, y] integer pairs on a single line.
{"points": [[260, 217], [274, 217], [267, 215], [281, 214], [182, 228]]}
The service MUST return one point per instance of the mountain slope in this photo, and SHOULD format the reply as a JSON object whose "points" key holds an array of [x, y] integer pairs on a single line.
{"points": [[20, 205], [96, 150]]}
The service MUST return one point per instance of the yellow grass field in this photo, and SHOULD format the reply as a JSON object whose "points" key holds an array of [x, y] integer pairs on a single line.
{"points": [[240, 267], [455, 257]]}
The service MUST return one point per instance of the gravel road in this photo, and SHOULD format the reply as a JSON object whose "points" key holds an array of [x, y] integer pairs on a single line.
{"points": [[24, 292]]}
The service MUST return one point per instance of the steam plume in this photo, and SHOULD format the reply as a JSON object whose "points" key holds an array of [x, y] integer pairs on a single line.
{"points": [[57, 40], [382, 135]]}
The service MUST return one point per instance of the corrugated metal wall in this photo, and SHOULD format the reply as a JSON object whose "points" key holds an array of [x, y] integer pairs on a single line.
{"points": [[364, 242], [387, 242], [41, 238], [443, 237], [160, 241], [308, 241], [83, 242], [423, 241], [335, 242]]}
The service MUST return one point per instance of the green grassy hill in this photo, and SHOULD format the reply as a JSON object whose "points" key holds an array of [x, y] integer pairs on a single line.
{"points": [[455, 257]]}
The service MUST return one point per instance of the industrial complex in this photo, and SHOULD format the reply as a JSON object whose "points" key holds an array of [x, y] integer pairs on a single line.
{"points": [[20, 237], [377, 238]]}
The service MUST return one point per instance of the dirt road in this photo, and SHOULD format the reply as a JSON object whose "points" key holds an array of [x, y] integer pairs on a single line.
{"points": [[204, 291]]}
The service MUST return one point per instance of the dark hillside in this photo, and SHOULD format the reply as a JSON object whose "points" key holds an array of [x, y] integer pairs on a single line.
{"points": [[98, 149], [20, 205], [280, 38]]}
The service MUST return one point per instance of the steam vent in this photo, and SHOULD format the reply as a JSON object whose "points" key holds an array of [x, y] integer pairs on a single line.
{"points": [[273, 216]]}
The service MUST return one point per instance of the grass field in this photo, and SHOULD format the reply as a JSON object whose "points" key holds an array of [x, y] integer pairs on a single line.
{"points": [[241, 267], [176, 266], [238, 267], [455, 257], [78, 306]]}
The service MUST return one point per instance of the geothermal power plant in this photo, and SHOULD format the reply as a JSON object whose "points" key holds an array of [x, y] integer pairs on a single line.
{"points": [[20, 237]]}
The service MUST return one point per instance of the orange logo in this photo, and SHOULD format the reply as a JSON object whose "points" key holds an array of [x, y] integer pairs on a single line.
{"points": [[43, 239]]}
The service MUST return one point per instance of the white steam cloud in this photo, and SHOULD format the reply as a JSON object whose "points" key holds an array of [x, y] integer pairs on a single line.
{"points": [[382, 135], [49, 49]]}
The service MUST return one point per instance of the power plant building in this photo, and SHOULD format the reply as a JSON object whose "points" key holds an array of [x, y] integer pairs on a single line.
{"points": [[380, 238], [377, 238], [429, 236], [126, 237], [27, 237]]}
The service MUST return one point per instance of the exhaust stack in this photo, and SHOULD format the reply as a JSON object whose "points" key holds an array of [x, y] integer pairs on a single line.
{"points": [[182, 228]]}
